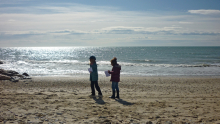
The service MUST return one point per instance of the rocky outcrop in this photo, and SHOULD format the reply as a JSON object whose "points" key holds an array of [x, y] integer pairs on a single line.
{"points": [[4, 77], [12, 75], [8, 72], [1, 62]]}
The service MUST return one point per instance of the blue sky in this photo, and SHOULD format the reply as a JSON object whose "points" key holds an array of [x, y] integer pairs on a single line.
{"points": [[25, 23]]}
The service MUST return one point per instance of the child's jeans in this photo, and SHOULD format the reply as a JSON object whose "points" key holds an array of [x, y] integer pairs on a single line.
{"points": [[115, 85]]}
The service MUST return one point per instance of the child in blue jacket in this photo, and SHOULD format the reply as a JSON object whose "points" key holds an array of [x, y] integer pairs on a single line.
{"points": [[94, 76]]}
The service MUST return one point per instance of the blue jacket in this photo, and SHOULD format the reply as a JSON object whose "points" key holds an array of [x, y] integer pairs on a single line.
{"points": [[94, 73]]}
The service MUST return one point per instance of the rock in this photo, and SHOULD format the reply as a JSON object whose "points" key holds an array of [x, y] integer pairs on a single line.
{"points": [[18, 75], [14, 80], [4, 77], [14, 76], [25, 74], [1, 62], [12, 72], [8, 72]]}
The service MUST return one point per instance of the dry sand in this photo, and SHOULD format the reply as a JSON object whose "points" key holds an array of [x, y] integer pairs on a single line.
{"points": [[164, 100]]}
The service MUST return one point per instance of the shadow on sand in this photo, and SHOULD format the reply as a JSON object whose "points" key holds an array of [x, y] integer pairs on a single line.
{"points": [[99, 100], [123, 102]]}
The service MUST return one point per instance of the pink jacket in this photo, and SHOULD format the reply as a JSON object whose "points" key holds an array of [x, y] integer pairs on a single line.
{"points": [[115, 73]]}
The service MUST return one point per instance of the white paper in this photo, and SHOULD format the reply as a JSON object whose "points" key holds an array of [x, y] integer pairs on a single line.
{"points": [[107, 74], [90, 70]]}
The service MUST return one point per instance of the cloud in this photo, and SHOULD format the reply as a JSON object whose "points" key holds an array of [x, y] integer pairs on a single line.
{"points": [[204, 12], [114, 30], [53, 8], [200, 33], [138, 30], [55, 32], [94, 25], [107, 30], [67, 31]]}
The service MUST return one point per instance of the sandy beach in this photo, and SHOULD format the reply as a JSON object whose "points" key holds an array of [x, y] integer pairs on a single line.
{"points": [[57, 100]]}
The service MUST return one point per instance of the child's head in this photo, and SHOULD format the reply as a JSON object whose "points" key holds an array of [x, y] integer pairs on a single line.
{"points": [[114, 61], [92, 59]]}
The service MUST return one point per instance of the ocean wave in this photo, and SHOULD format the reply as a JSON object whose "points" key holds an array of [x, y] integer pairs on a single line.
{"points": [[169, 65], [142, 60], [22, 62], [59, 62], [107, 63]]}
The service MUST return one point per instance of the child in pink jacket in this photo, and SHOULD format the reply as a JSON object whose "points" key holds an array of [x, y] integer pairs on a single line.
{"points": [[115, 77]]}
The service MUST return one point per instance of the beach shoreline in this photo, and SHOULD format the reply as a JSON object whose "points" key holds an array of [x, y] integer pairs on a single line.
{"points": [[156, 99]]}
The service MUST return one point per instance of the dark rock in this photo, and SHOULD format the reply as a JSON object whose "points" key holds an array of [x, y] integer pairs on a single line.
{"points": [[8, 72], [12, 75], [1, 62], [12, 72], [4, 77], [25, 74]]}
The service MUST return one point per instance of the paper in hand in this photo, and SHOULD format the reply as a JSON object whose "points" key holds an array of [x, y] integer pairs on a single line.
{"points": [[90, 69], [107, 74]]}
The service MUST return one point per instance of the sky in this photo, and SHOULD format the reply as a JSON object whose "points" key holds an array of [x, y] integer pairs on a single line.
{"points": [[44, 23]]}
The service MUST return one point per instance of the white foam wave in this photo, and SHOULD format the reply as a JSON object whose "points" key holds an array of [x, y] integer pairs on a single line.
{"points": [[22, 62], [77, 62]]}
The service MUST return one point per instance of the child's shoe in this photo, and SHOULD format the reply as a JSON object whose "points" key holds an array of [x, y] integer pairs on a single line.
{"points": [[117, 95], [113, 95]]}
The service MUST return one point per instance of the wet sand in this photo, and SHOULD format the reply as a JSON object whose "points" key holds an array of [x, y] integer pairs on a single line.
{"points": [[158, 100]]}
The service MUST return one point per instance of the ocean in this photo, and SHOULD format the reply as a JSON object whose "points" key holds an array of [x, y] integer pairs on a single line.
{"points": [[135, 61]]}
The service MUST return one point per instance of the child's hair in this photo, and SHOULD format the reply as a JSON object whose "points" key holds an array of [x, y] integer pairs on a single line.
{"points": [[94, 61], [92, 57], [114, 61]]}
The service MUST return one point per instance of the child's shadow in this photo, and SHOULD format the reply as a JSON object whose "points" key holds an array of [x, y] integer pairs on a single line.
{"points": [[123, 102], [99, 100]]}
